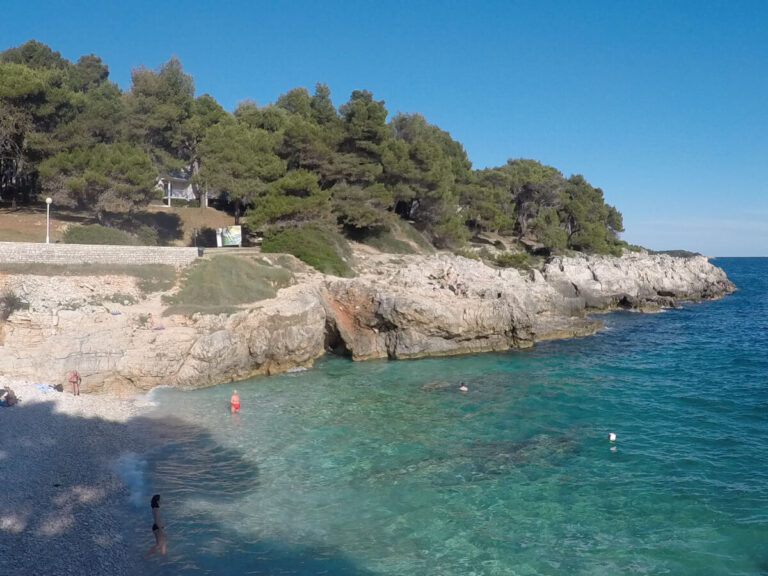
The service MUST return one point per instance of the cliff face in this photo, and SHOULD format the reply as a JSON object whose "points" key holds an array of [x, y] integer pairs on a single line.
{"points": [[397, 307], [442, 305]]}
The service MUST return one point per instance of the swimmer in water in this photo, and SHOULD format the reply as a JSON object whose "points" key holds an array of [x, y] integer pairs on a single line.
{"points": [[234, 402], [463, 387]]}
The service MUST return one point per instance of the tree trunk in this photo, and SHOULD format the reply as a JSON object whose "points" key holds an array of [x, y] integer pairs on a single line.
{"points": [[202, 195]]}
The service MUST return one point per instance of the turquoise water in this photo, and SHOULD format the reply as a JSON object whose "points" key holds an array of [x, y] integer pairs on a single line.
{"points": [[386, 468]]}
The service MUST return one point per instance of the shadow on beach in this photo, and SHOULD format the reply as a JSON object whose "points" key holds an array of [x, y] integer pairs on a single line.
{"points": [[65, 510]]}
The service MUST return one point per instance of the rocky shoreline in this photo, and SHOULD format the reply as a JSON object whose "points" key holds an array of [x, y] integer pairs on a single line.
{"points": [[57, 462], [396, 307]]}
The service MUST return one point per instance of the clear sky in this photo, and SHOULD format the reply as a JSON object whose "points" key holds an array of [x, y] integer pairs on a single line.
{"points": [[662, 104]]}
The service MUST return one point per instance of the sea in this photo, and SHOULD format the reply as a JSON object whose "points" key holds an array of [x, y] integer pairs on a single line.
{"points": [[387, 468]]}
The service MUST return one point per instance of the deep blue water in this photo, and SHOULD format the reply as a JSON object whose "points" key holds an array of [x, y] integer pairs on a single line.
{"points": [[386, 468]]}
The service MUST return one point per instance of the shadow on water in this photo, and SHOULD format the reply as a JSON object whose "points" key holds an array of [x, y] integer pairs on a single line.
{"points": [[186, 460], [63, 509]]}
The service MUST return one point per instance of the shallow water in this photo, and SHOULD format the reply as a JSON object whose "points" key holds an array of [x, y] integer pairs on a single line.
{"points": [[386, 468]]}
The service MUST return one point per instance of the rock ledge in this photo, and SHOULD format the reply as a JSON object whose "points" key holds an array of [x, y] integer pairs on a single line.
{"points": [[397, 307]]}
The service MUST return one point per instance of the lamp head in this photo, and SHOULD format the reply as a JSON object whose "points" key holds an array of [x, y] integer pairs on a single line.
{"points": [[48, 200]]}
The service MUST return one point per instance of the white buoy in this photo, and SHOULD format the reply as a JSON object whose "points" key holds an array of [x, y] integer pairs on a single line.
{"points": [[611, 437]]}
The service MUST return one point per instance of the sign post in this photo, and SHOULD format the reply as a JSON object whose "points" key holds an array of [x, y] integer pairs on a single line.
{"points": [[48, 220]]}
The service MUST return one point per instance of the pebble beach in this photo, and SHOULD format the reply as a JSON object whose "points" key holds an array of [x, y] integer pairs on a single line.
{"points": [[59, 489]]}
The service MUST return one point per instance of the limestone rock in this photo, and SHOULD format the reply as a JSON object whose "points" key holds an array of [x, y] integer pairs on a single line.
{"points": [[396, 307]]}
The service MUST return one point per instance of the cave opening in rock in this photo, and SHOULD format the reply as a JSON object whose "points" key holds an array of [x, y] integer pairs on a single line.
{"points": [[334, 343]]}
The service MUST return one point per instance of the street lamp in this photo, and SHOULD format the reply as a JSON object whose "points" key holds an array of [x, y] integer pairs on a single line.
{"points": [[48, 220]]}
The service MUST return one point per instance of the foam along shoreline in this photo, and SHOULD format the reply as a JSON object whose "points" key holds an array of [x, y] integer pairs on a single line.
{"points": [[61, 492]]}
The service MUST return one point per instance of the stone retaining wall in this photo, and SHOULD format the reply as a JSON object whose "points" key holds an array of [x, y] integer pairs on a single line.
{"points": [[29, 252]]}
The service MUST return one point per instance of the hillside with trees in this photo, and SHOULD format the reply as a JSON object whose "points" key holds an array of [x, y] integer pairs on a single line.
{"points": [[68, 132]]}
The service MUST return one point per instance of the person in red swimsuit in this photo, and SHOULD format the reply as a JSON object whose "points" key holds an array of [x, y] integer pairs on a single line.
{"points": [[234, 402]]}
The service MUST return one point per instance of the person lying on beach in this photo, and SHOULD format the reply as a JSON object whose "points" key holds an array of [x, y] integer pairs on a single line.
{"points": [[150, 323], [158, 528], [8, 397]]}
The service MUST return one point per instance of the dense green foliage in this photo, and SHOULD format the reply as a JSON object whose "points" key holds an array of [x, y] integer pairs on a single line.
{"points": [[321, 248], [97, 234], [519, 260], [68, 132], [223, 282], [106, 177]]}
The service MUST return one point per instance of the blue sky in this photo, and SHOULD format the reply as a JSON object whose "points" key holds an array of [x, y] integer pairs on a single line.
{"points": [[662, 104]]}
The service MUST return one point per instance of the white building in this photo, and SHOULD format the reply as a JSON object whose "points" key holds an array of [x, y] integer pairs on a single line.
{"points": [[176, 185]]}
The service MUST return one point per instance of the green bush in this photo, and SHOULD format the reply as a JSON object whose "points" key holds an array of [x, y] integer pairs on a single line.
{"points": [[396, 237], [410, 232], [520, 260], [97, 234], [467, 253], [147, 235], [117, 298], [190, 310], [321, 248], [450, 232], [9, 303], [223, 282], [484, 254], [385, 241], [182, 203]]}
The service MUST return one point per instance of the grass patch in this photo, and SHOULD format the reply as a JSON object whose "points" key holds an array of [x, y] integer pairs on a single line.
{"points": [[97, 234], [190, 310], [410, 232], [385, 241], [323, 249], [519, 260], [220, 284], [118, 298], [467, 253], [399, 237], [155, 277], [283, 261], [151, 277]]}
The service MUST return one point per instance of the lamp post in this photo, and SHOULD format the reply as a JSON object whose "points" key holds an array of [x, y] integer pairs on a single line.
{"points": [[48, 220]]}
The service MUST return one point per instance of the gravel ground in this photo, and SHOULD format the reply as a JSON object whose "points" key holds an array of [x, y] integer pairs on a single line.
{"points": [[60, 496]]}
